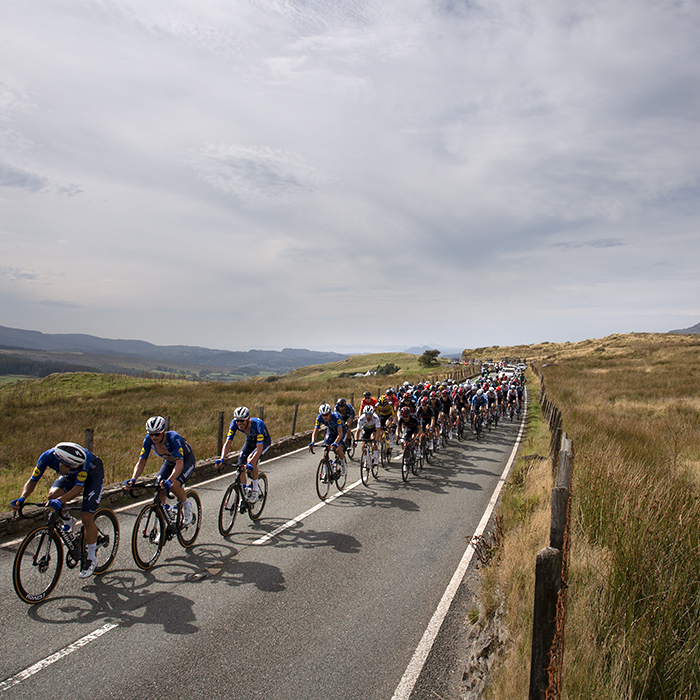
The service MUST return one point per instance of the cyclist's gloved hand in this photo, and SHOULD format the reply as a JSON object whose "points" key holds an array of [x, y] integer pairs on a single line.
{"points": [[219, 462], [129, 483], [311, 447], [166, 484], [55, 503], [17, 503], [249, 467]]}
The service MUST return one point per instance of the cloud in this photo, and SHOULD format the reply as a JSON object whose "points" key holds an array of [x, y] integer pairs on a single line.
{"points": [[11, 176]]}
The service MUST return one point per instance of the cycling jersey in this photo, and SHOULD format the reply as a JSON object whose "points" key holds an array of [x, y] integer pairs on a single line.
{"points": [[257, 435], [347, 412], [335, 426], [89, 476]]}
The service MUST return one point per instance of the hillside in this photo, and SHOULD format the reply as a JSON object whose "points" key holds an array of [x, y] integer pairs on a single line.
{"points": [[108, 355]]}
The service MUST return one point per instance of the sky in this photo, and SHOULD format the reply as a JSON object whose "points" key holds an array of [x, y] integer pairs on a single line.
{"points": [[349, 175]]}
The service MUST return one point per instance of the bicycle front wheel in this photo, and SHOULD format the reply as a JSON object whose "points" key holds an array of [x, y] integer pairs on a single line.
{"points": [[148, 537], [405, 465], [375, 463], [416, 461], [323, 478], [38, 565], [228, 510], [107, 538], [341, 478], [255, 511], [187, 534], [364, 468]]}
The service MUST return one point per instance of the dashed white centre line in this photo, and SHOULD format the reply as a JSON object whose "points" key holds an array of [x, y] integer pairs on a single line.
{"points": [[29, 672]]}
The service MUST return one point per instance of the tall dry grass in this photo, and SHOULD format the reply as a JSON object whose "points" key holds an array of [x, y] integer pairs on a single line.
{"points": [[631, 405]]}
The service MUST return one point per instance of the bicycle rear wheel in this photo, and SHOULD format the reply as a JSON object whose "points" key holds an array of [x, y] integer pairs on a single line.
{"points": [[148, 537], [107, 538], [187, 534], [341, 478], [323, 478], [228, 510], [38, 565], [364, 467], [255, 510], [416, 461]]}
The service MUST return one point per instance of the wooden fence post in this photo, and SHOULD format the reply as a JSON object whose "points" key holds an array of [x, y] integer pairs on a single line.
{"points": [[294, 418], [544, 623], [557, 526], [220, 434], [261, 412], [90, 439]]}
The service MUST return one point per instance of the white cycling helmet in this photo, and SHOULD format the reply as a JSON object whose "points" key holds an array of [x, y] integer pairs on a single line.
{"points": [[155, 424], [70, 453], [241, 413], [368, 410], [325, 409]]}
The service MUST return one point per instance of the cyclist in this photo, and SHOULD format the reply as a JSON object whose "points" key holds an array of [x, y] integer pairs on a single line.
{"points": [[409, 425], [479, 405], [367, 400], [346, 411], [335, 428], [257, 443], [78, 470], [370, 425], [385, 411], [178, 464], [426, 416]]}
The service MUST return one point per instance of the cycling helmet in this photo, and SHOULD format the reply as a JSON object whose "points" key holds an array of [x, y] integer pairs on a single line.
{"points": [[405, 413], [241, 413], [367, 394], [383, 401], [155, 424], [424, 401], [368, 410], [480, 392], [445, 392], [432, 394], [324, 409], [70, 453], [342, 402]]}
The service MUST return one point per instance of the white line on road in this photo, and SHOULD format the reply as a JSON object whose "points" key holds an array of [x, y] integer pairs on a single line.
{"points": [[29, 672], [413, 671], [299, 518]]}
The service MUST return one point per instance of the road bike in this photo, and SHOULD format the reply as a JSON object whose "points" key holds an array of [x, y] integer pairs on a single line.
{"points": [[444, 433], [369, 461], [327, 472], [155, 525], [425, 451], [385, 448], [39, 559], [350, 444], [478, 423], [237, 500]]}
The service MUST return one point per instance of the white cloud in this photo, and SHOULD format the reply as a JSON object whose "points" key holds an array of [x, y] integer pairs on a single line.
{"points": [[318, 155]]}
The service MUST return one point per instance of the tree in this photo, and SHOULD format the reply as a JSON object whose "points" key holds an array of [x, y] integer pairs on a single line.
{"points": [[429, 358]]}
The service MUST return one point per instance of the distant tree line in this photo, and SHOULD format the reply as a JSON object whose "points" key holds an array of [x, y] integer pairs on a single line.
{"points": [[16, 364]]}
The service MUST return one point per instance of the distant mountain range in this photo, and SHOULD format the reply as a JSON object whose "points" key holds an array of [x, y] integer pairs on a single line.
{"points": [[111, 355], [692, 329]]}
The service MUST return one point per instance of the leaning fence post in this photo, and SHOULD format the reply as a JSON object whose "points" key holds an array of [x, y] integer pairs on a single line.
{"points": [[544, 623], [261, 412], [294, 418], [220, 434], [90, 439]]}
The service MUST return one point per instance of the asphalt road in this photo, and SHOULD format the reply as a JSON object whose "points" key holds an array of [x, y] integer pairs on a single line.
{"points": [[334, 606]]}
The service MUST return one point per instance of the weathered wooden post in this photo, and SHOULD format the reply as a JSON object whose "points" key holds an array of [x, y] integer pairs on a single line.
{"points": [[90, 439], [220, 434], [261, 412], [294, 418], [544, 623]]}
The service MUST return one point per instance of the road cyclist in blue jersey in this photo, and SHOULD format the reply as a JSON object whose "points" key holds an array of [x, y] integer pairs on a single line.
{"points": [[336, 430], [79, 471], [257, 442], [178, 464]]}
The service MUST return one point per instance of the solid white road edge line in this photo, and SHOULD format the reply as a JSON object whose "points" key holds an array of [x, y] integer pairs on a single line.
{"points": [[413, 671], [29, 672]]}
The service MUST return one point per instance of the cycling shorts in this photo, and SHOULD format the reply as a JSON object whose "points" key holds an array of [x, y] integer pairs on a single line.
{"points": [[249, 447], [92, 491], [187, 468]]}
